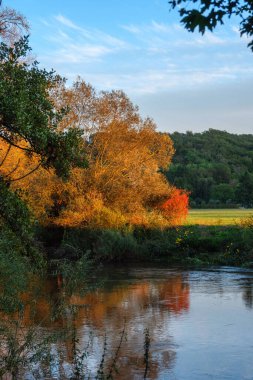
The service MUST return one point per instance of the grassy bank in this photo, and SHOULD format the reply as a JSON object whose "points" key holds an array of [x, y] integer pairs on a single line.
{"points": [[214, 245], [189, 244], [217, 217]]}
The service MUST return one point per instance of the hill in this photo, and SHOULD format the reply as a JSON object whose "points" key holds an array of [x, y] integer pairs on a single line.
{"points": [[215, 166]]}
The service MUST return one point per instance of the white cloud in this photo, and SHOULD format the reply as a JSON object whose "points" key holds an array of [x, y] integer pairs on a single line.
{"points": [[67, 22], [149, 59], [212, 39], [92, 34], [160, 27], [131, 29], [76, 44]]}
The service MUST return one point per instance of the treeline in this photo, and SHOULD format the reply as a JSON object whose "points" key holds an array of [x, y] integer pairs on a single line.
{"points": [[216, 167]]}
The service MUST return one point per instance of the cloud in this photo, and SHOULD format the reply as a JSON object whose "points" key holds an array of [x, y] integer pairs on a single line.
{"points": [[91, 34], [183, 80], [173, 34], [132, 28], [145, 58], [76, 44], [66, 22]]}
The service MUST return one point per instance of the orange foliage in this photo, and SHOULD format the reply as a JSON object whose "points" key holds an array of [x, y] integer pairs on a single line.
{"points": [[176, 207], [122, 184]]}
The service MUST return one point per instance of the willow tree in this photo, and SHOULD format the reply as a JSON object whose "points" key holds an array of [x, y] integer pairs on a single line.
{"points": [[124, 152]]}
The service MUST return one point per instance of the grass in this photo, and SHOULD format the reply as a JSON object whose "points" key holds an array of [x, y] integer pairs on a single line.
{"points": [[216, 217]]}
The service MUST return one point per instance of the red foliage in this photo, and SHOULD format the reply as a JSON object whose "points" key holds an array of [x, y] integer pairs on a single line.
{"points": [[176, 207]]}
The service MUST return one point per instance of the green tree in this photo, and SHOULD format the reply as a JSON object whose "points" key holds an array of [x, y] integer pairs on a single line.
{"points": [[244, 191], [28, 121], [223, 193], [206, 15], [203, 161], [28, 115]]}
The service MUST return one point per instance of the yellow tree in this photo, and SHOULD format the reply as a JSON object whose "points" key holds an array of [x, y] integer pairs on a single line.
{"points": [[124, 154], [122, 183]]}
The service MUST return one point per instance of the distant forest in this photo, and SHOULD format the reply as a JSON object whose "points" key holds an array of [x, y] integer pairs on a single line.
{"points": [[216, 167]]}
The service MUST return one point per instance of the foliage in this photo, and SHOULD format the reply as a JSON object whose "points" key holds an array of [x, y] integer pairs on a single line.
{"points": [[124, 152], [122, 184], [28, 124], [205, 15], [115, 244], [14, 213], [247, 222], [216, 167], [176, 207], [27, 114], [227, 245], [244, 191], [15, 270]]}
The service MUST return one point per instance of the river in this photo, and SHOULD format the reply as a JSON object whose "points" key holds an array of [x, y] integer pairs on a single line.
{"points": [[197, 323]]}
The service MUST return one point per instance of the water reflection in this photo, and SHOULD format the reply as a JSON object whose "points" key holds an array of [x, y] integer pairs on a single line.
{"points": [[247, 295], [198, 322], [134, 304]]}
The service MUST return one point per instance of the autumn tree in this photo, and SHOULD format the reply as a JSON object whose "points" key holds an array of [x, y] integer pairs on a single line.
{"points": [[123, 183], [28, 122], [206, 15], [124, 154]]}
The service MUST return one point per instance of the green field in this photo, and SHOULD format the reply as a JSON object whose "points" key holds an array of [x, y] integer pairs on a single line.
{"points": [[218, 216]]}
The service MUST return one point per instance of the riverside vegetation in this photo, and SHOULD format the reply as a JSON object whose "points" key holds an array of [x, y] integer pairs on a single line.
{"points": [[69, 158], [82, 182]]}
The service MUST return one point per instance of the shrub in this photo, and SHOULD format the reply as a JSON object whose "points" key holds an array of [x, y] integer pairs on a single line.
{"points": [[175, 209]]}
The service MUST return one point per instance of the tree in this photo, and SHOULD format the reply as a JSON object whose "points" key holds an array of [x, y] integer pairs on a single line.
{"points": [[206, 15], [125, 153], [244, 190], [204, 161], [13, 25], [28, 116], [223, 192], [28, 122]]}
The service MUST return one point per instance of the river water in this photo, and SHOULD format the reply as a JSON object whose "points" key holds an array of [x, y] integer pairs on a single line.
{"points": [[199, 322]]}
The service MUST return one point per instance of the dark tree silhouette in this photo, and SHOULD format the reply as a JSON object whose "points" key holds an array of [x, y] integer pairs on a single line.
{"points": [[206, 15]]}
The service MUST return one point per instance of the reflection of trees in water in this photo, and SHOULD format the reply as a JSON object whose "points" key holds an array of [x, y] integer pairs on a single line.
{"points": [[247, 295], [141, 304]]}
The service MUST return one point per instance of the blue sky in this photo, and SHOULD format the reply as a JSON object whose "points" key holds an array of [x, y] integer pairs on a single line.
{"points": [[184, 81]]}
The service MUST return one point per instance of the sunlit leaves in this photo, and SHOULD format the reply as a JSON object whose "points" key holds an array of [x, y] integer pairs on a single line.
{"points": [[27, 113], [175, 208]]}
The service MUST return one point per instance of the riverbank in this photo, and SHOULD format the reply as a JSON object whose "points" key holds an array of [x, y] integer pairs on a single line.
{"points": [[193, 245]]}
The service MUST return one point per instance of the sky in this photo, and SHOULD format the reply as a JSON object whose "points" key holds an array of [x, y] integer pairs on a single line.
{"points": [[184, 81]]}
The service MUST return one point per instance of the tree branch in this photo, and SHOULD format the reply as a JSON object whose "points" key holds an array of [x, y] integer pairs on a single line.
{"points": [[13, 170], [16, 146], [6, 155], [27, 174]]}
